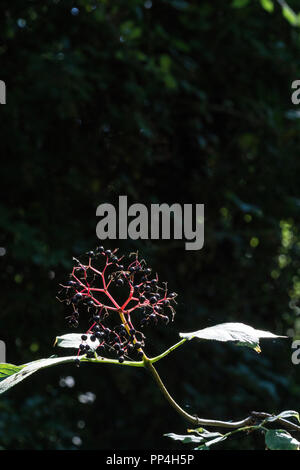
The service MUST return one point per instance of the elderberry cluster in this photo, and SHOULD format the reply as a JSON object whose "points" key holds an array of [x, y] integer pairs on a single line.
{"points": [[115, 293]]}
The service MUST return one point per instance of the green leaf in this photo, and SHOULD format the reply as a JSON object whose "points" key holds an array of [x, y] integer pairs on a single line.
{"points": [[73, 340], [284, 415], [210, 443], [268, 5], [185, 438], [204, 433], [239, 333], [279, 439], [16, 374], [8, 369], [201, 437]]}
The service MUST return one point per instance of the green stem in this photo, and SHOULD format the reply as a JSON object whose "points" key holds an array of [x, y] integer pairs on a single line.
{"points": [[157, 358], [103, 360], [192, 419], [244, 428], [148, 365]]}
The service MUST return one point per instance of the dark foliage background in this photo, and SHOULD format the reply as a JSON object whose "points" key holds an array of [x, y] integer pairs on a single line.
{"points": [[162, 101]]}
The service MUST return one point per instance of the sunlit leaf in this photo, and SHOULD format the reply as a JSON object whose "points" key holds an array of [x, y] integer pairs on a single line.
{"points": [[16, 374], [185, 438], [212, 442], [206, 438], [204, 433], [8, 369], [239, 333], [284, 415], [73, 340]]}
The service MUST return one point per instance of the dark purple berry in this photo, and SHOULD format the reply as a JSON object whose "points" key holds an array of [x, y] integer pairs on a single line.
{"points": [[73, 322], [77, 297], [101, 349]]}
